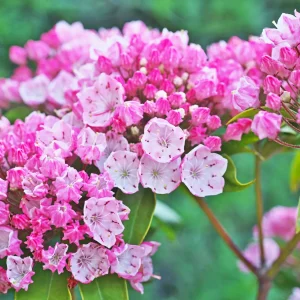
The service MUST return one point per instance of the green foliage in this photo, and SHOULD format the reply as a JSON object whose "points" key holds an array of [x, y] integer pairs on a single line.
{"points": [[142, 205], [249, 113], [47, 286], [19, 112], [232, 184], [295, 172], [108, 287]]}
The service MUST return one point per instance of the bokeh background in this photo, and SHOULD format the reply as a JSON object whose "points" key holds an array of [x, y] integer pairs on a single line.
{"points": [[194, 263]]}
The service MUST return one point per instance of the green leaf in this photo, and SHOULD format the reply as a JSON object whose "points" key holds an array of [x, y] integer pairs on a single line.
{"points": [[232, 184], [249, 113], [242, 146], [295, 172], [47, 286], [19, 112], [108, 287], [142, 205]]}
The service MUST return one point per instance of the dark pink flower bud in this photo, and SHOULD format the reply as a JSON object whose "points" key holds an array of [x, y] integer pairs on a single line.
{"points": [[155, 77], [213, 143], [170, 58], [104, 65], [167, 86], [51, 38], [153, 59], [288, 56], [17, 55], [174, 117], [149, 91], [273, 101], [200, 115], [20, 221], [272, 67], [177, 99], [295, 78], [271, 84], [162, 106], [149, 107], [214, 122], [139, 79]]}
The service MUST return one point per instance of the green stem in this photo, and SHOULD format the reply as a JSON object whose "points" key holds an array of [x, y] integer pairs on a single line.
{"points": [[285, 252], [224, 235], [259, 209]]}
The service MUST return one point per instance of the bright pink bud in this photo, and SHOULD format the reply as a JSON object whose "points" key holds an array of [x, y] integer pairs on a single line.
{"points": [[271, 84], [20, 221], [288, 56], [104, 65], [162, 106], [177, 99], [51, 38], [126, 61], [139, 79], [15, 177], [295, 78], [214, 143], [272, 67], [167, 86], [22, 73], [149, 107], [273, 101], [37, 50], [3, 189], [200, 115], [266, 125], [149, 91], [153, 59], [170, 58], [214, 122], [194, 58], [17, 55], [174, 117], [155, 77], [235, 130], [4, 213]]}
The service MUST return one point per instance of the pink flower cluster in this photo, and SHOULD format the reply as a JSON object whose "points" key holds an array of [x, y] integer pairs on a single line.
{"points": [[278, 223]]}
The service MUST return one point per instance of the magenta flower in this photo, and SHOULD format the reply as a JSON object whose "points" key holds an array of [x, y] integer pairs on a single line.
{"points": [[68, 186], [100, 100], [61, 214], [202, 172], [4, 213], [266, 125], [9, 242], [122, 166], [102, 218], [161, 178], [74, 232], [162, 141], [4, 283], [89, 262], [3, 189]]}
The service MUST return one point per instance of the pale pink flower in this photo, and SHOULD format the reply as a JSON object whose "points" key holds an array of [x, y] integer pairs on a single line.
{"points": [[128, 261], [122, 166], [3, 189], [4, 283], [99, 185], [37, 50], [58, 86], [34, 241], [100, 100], [162, 141], [279, 222], [295, 294], [55, 258], [19, 272], [266, 125], [34, 91], [202, 172], [68, 185], [90, 145], [102, 218], [245, 95], [9, 242], [89, 262], [161, 178], [61, 214], [252, 253]]}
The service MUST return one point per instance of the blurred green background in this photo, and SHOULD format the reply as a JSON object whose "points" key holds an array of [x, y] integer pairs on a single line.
{"points": [[196, 265]]}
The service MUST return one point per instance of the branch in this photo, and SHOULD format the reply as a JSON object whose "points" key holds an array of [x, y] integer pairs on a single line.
{"points": [[285, 252], [259, 209], [224, 235]]}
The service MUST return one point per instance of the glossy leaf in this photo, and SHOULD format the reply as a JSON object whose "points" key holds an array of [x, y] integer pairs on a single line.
{"points": [[142, 205], [46, 285], [295, 173], [232, 184], [166, 214], [19, 112], [242, 146], [249, 113], [108, 287]]}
